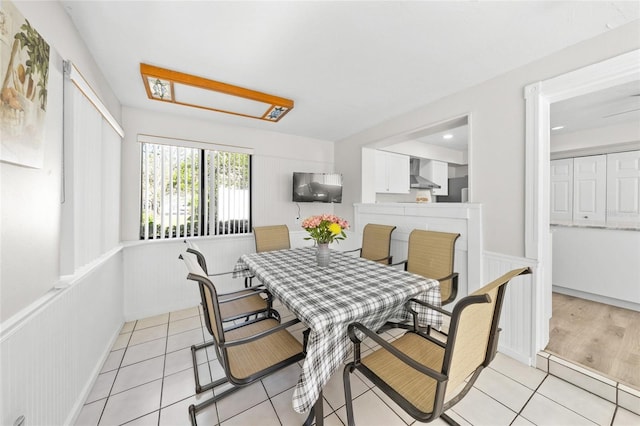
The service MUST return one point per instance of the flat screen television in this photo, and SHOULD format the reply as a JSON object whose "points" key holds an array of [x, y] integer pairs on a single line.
{"points": [[320, 187]]}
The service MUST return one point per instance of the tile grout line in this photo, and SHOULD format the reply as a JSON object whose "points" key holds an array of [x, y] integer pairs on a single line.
{"points": [[270, 402], [568, 408], [117, 372], [164, 367], [535, 391], [615, 413], [142, 384]]}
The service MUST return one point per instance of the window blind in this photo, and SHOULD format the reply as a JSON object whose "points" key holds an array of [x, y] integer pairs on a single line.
{"points": [[91, 177]]}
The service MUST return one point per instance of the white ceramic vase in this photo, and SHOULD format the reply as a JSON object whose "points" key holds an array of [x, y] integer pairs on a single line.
{"points": [[322, 254]]}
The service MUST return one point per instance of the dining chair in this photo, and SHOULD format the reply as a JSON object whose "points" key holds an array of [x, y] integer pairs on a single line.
{"points": [[269, 238], [424, 375], [248, 351], [273, 237], [236, 304], [233, 306], [431, 254], [376, 243]]}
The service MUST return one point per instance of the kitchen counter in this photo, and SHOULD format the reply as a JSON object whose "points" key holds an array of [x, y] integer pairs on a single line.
{"points": [[599, 264], [611, 227]]}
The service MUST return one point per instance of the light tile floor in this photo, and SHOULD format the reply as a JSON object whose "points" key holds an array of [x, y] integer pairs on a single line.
{"points": [[148, 380]]}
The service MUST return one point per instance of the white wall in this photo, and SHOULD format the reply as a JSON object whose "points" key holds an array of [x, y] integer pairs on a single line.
{"points": [[276, 157], [48, 363], [496, 153], [30, 198], [52, 341]]}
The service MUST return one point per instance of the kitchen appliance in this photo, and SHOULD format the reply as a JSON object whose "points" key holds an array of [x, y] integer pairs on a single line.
{"points": [[417, 181]]}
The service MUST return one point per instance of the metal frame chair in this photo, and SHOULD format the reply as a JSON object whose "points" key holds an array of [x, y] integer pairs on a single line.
{"points": [[376, 243], [269, 238], [249, 351], [273, 237], [424, 375], [233, 306], [431, 254]]}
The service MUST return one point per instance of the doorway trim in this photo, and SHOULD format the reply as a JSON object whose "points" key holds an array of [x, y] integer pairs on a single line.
{"points": [[538, 98]]}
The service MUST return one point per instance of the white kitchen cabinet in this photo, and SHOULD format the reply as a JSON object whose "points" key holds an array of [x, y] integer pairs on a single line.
{"points": [[392, 173], [623, 188], [437, 172], [561, 191], [590, 190]]}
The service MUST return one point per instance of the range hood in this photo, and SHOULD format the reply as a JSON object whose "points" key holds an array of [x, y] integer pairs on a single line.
{"points": [[417, 181]]}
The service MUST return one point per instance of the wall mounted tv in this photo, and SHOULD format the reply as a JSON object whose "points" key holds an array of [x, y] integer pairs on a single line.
{"points": [[322, 187]]}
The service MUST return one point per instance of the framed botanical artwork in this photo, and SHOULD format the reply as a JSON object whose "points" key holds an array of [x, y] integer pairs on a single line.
{"points": [[24, 73]]}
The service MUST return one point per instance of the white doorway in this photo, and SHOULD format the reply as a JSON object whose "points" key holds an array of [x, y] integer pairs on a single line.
{"points": [[539, 96]]}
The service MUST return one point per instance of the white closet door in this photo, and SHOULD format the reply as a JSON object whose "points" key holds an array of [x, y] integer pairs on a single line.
{"points": [[562, 191], [589, 190], [623, 189]]}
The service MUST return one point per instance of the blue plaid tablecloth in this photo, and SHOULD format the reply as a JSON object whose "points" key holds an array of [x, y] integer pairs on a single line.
{"points": [[350, 289]]}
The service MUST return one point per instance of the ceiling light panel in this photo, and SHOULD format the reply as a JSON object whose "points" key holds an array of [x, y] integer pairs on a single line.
{"points": [[209, 99], [185, 89]]}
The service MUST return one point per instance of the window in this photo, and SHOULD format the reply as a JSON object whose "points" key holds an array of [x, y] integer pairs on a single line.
{"points": [[189, 191]]}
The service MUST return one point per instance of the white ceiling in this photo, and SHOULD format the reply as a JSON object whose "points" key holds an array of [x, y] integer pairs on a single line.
{"points": [[457, 140], [598, 109], [347, 65]]}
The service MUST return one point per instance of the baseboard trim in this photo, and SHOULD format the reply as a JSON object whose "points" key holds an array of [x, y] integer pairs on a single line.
{"points": [[597, 298]]}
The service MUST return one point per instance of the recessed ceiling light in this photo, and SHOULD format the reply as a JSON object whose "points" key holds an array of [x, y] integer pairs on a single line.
{"points": [[447, 136], [557, 128]]}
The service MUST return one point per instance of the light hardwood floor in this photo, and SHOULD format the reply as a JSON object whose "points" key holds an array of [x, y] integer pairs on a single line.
{"points": [[601, 337]]}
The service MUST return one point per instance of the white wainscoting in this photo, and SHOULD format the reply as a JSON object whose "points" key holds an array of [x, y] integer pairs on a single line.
{"points": [[518, 311], [52, 355], [156, 279]]}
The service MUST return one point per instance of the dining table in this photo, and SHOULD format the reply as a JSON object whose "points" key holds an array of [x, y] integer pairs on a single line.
{"points": [[328, 299]]}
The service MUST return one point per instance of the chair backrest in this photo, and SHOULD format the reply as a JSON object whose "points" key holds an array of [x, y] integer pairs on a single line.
{"points": [[269, 238], [473, 331], [376, 241], [193, 248], [209, 295], [431, 255]]}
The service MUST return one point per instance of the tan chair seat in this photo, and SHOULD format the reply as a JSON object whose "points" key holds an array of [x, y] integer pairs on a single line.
{"points": [[248, 359], [236, 308], [415, 387]]}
